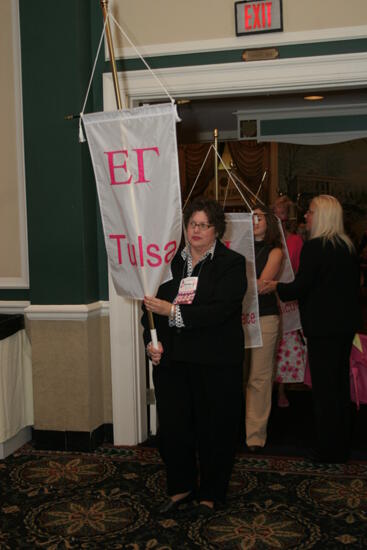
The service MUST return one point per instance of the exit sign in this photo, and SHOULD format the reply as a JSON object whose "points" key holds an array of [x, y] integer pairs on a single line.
{"points": [[258, 16]]}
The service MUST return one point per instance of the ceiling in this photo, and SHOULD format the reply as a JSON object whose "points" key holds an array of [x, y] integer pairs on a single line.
{"points": [[200, 117]]}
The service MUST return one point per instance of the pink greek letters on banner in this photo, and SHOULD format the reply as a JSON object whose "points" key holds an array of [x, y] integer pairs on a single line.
{"points": [[140, 163], [142, 224]]}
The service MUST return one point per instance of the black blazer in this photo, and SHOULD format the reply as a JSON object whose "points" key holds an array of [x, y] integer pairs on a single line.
{"points": [[327, 289], [213, 332]]}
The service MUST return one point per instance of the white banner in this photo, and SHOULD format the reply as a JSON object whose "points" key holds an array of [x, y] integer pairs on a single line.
{"points": [[134, 155], [239, 236], [290, 317]]}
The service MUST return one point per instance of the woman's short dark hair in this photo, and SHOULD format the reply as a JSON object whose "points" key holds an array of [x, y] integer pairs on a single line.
{"points": [[213, 210], [272, 235]]}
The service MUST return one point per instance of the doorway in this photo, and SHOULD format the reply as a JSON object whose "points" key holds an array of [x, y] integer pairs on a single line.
{"points": [[129, 384]]}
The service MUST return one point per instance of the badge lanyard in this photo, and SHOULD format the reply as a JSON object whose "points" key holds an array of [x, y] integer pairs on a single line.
{"points": [[188, 285]]}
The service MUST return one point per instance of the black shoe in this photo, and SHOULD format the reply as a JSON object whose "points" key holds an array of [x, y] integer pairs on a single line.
{"points": [[316, 457], [171, 506], [255, 449], [204, 511]]}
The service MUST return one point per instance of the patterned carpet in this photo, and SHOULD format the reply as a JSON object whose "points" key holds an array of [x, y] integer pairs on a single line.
{"points": [[108, 499]]}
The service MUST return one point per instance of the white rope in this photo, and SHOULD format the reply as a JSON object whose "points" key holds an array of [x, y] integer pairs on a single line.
{"points": [[234, 183], [81, 133], [232, 178], [225, 194], [248, 190], [260, 186], [197, 177], [141, 57]]}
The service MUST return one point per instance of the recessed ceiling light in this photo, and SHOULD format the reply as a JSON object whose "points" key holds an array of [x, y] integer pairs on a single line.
{"points": [[313, 97]]}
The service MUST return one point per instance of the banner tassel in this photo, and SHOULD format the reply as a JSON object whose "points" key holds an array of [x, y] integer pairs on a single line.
{"points": [[82, 137]]}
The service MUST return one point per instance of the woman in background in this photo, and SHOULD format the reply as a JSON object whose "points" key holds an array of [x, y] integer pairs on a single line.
{"points": [[268, 261], [290, 360], [327, 289]]}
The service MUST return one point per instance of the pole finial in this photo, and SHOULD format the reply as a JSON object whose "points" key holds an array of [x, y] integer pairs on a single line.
{"points": [[104, 6]]}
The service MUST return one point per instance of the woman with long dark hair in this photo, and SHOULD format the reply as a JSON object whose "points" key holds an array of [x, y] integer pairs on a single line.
{"points": [[268, 261]]}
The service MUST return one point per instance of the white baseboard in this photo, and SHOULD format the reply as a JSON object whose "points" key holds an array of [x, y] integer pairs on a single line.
{"points": [[66, 312], [11, 307], [11, 445], [58, 312]]}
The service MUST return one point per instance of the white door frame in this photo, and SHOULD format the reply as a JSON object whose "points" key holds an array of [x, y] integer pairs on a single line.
{"points": [[281, 75]]}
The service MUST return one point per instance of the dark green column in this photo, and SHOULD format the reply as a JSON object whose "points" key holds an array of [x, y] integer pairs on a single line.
{"points": [[58, 44]]}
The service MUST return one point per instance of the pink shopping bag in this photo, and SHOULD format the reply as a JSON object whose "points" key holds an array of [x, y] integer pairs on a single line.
{"points": [[358, 371]]}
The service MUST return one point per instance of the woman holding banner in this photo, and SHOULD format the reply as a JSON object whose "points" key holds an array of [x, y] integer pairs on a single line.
{"points": [[327, 289], [197, 369], [268, 262]]}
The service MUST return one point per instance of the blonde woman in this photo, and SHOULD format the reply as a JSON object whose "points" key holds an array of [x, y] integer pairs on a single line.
{"points": [[327, 289]]}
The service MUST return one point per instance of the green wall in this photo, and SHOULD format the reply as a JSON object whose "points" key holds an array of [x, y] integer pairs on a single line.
{"points": [[66, 253]]}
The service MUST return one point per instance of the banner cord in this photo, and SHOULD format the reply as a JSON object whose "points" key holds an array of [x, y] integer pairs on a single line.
{"points": [[230, 176], [81, 134], [234, 183], [249, 190], [141, 57], [197, 177]]}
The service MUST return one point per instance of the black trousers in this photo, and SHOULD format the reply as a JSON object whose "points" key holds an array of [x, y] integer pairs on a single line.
{"points": [[199, 409], [329, 367]]}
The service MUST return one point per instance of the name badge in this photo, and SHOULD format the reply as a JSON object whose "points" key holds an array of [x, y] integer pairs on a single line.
{"points": [[187, 290]]}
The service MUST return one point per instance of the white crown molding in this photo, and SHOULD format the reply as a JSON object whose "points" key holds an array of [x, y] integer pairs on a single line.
{"points": [[262, 40], [11, 307], [245, 78], [305, 110], [314, 139], [65, 312]]}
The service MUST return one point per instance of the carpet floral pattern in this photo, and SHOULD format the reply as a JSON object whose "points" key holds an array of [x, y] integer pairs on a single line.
{"points": [[108, 499]]}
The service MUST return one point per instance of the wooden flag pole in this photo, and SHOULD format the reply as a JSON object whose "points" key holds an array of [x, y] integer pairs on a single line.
{"points": [[216, 163], [104, 6]]}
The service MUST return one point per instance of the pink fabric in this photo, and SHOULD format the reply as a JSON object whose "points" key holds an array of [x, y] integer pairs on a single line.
{"points": [[307, 379], [291, 358], [292, 353], [358, 373], [294, 245]]}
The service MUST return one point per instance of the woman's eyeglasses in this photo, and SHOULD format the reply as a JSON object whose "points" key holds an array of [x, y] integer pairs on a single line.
{"points": [[201, 226]]}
